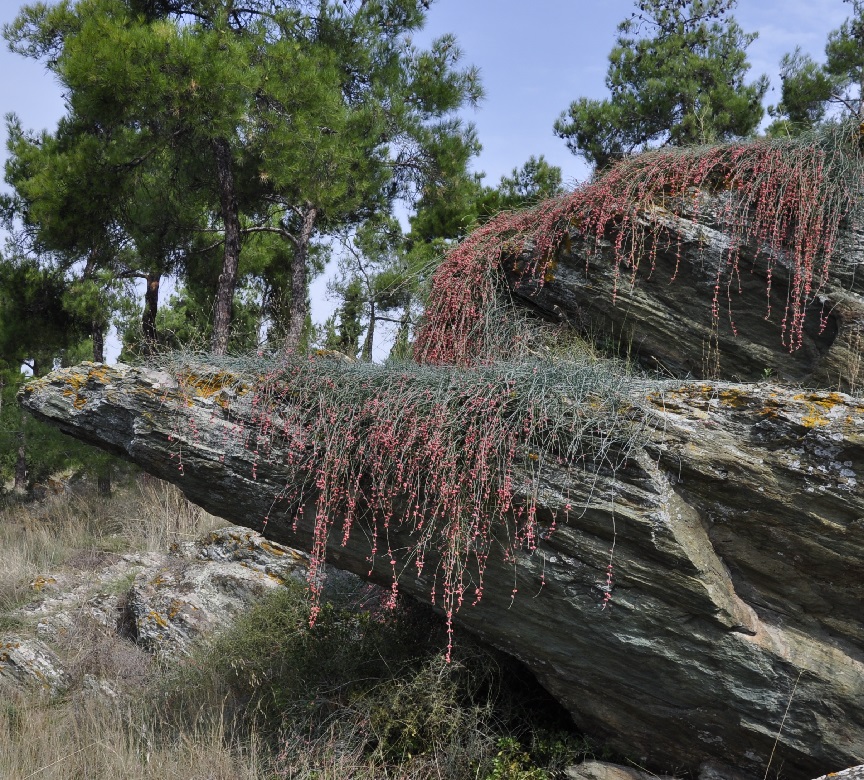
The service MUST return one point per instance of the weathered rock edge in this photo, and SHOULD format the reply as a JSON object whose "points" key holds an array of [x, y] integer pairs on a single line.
{"points": [[738, 561]]}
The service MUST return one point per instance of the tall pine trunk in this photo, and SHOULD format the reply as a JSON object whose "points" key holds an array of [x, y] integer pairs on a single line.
{"points": [[98, 334], [366, 353], [223, 308], [151, 307], [98, 325], [299, 279]]}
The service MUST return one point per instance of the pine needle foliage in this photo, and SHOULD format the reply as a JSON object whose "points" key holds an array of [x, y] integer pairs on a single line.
{"points": [[453, 456], [784, 198]]}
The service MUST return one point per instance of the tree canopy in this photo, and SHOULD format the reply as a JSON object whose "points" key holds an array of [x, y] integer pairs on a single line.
{"points": [[285, 118], [676, 76], [383, 271], [812, 92]]}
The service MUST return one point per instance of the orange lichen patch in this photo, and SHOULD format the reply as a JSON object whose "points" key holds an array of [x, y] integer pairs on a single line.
{"points": [[661, 401], [823, 400], [207, 385], [157, 618], [41, 582], [272, 549], [817, 405], [99, 374], [151, 391], [771, 407], [5, 647], [814, 418], [734, 397], [175, 608], [676, 398], [75, 380], [79, 401]]}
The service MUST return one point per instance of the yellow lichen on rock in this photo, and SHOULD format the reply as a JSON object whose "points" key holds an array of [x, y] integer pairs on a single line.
{"points": [[157, 618], [207, 385], [41, 582]]}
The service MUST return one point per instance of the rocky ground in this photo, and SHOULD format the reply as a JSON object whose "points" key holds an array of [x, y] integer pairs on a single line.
{"points": [[158, 602]]}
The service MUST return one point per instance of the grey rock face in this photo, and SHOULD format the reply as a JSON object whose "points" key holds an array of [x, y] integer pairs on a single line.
{"points": [[601, 770], [737, 566], [207, 583], [172, 601], [30, 662], [664, 317], [853, 773]]}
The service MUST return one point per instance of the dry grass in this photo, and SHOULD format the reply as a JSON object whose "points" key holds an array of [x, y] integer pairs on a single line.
{"points": [[363, 696], [41, 537], [96, 733], [91, 737]]}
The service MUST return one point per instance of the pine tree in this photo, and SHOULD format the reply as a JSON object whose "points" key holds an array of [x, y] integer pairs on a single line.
{"points": [[37, 331], [812, 92], [383, 272], [676, 76], [282, 117]]}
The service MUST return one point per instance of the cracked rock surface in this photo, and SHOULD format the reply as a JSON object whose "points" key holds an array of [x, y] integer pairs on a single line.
{"points": [[662, 315], [158, 603], [738, 566]]}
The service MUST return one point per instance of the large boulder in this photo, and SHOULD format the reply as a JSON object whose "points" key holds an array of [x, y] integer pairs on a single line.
{"points": [[664, 314], [738, 532]]}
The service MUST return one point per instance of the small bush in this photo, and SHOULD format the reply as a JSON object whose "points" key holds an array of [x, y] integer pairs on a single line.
{"points": [[365, 694]]}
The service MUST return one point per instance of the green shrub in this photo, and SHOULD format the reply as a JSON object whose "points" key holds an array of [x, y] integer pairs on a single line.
{"points": [[367, 693]]}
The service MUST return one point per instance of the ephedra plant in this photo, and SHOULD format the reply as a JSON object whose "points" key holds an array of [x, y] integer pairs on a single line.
{"points": [[785, 198], [450, 451], [449, 457]]}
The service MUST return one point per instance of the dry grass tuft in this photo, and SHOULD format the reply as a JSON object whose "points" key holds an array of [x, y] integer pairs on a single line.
{"points": [[93, 737], [365, 695], [79, 530]]}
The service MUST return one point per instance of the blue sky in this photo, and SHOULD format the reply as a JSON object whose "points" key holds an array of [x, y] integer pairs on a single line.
{"points": [[534, 58]]}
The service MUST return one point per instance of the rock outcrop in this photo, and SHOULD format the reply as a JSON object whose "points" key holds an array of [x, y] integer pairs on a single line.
{"points": [[738, 532], [28, 661], [160, 602], [204, 585], [664, 318]]}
